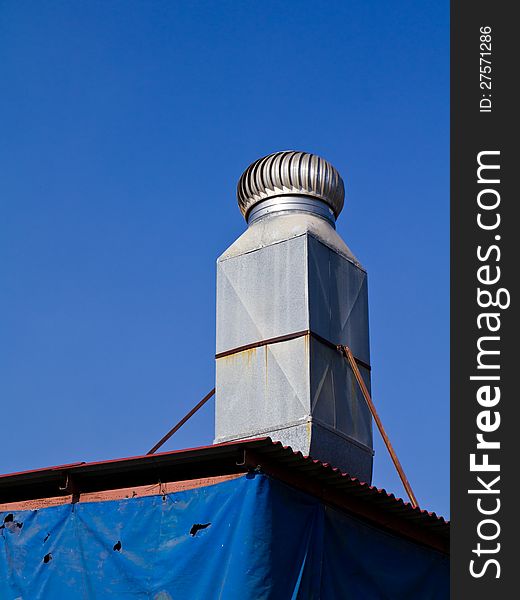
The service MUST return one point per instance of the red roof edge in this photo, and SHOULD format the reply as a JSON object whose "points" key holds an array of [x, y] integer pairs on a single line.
{"points": [[306, 473]]}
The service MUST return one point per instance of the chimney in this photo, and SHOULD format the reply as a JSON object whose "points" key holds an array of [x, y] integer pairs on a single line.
{"points": [[289, 291]]}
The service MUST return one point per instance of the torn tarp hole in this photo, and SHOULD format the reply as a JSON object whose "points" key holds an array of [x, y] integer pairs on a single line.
{"points": [[10, 524], [196, 527]]}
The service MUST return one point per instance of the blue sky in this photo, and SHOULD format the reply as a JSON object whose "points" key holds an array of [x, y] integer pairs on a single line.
{"points": [[124, 127]]}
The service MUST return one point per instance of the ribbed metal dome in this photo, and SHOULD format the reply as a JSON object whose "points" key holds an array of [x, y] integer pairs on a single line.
{"points": [[290, 172]]}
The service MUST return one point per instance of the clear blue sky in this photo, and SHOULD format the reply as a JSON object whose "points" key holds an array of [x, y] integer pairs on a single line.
{"points": [[124, 127]]}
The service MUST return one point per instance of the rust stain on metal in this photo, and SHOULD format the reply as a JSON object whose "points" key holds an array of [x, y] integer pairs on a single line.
{"points": [[275, 340], [250, 355], [266, 351], [247, 354], [307, 333]]}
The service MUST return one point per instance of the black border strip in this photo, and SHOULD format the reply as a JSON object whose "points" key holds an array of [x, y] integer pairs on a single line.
{"points": [[484, 127]]}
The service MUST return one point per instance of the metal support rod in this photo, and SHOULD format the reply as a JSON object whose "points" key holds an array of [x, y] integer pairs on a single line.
{"points": [[165, 438], [352, 362], [286, 338]]}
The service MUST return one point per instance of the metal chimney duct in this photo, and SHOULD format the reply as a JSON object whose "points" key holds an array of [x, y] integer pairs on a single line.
{"points": [[288, 291]]}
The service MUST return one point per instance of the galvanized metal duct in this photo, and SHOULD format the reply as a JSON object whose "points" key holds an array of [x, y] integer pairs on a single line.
{"points": [[289, 291]]}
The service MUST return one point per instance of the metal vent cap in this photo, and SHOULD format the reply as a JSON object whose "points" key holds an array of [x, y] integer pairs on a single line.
{"points": [[290, 172]]}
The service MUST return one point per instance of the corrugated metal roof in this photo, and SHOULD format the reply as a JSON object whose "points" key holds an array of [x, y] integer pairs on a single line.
{"points": [[315, 477], [341, 480]]}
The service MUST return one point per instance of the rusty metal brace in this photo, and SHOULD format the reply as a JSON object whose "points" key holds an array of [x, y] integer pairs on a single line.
{"points": [[353, 364], [345, 350], [165, 438]]}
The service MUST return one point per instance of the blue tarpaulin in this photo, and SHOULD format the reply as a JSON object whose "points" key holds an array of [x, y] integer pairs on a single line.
{"points": [[249, 538]]}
